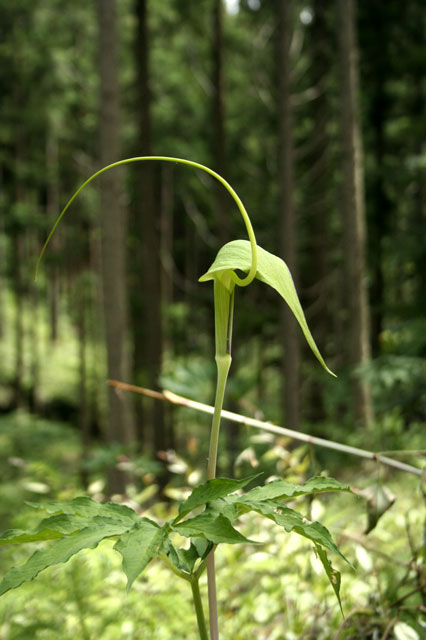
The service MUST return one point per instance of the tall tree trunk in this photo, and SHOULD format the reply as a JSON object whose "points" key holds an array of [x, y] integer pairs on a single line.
{"points": [[18, 258], [52, 208], [83, 416], [287, 216], [167, 222], [120, 424], [353, 210], [218, 129], [320, 189], [2, 267], [148, 224], [34, 333]]}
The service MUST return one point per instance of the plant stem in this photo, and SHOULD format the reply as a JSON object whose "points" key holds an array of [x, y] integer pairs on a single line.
{"points": [[199, 609], [223, 365]]}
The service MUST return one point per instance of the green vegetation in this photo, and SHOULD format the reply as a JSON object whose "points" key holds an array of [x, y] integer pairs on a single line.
{"points": [[314, 111], [83, 523]]}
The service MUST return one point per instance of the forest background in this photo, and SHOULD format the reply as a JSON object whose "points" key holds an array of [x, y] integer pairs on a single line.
{"points": [[314, 112]]}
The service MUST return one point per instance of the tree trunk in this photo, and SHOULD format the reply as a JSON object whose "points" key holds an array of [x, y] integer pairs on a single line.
{"points": [[148, 225], [353, 210], [320, 201], [287, 216], [120, 424], [2, 268], [218, 129], [34, 332], [18, 256], [83, 415], [52, 209]]}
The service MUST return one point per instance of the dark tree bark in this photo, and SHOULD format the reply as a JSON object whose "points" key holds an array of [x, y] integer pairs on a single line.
{"points": [[353, 211], [120, 423], [218, 128], [287, 216], [149, 345], [320, 190]]}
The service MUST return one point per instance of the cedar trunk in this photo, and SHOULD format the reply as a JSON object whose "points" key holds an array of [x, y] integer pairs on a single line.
{"points": [[120, 423], [353, 211], [149, 349], [287, 216]]}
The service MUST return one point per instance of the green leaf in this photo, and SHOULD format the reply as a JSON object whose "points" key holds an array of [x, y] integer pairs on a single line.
{"points": [[185, 559], [49, 529], [60, 551], [211, 490], [227, 508], [271, 270], [211, 526], [332, 574], [84, 506], [279, 489], [291, 520], [138, 546]]}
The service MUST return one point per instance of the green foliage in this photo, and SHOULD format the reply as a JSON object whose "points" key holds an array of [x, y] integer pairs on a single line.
{"points": [[139, 546], [83, 523]]}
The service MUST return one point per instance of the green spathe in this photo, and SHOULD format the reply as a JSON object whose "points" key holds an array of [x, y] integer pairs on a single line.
{"points": [[270, 269]]}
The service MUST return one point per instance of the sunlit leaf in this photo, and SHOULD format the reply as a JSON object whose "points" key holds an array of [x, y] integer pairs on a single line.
{"points": [[271, 270]]}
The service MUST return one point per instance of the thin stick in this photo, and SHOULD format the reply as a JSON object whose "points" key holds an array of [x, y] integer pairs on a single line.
{"points": [[169, 396]]}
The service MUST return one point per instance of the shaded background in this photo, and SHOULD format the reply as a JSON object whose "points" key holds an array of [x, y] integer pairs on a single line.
{"points": [[314, 112]]}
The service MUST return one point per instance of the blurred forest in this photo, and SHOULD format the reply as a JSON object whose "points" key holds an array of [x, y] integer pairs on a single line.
{"points": [[314, 111]]}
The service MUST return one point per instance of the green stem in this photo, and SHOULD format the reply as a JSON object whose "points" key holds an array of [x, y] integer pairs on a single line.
{"points": [[241, 282], [202, 628], [223, 365]]}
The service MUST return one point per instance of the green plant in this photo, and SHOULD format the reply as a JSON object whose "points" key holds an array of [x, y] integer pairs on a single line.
{"points": [[83, 522]]}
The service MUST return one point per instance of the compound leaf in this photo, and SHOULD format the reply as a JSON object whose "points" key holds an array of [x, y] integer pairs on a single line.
{"points": [[138, 546]]}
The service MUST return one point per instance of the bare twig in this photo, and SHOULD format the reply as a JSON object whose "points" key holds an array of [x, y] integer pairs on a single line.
{"points": [[169, 396]]}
